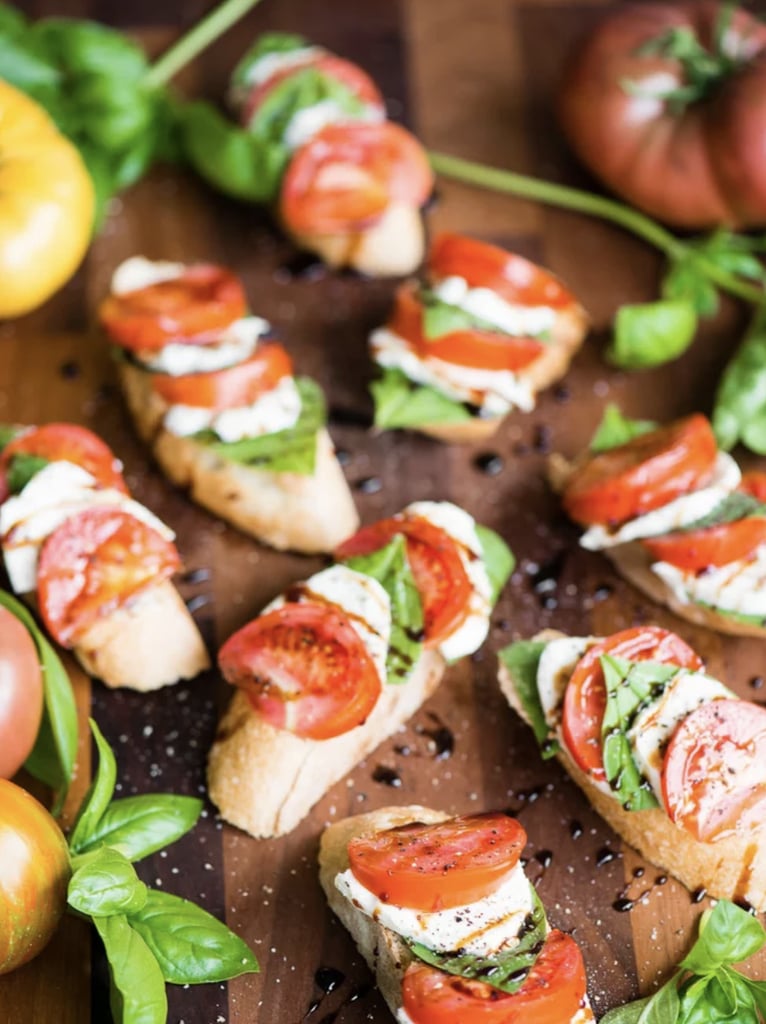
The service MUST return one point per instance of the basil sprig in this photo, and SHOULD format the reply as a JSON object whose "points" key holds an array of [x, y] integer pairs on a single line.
{"points": [[400, 403], [616, 429], [731, 509], [521, 660], [651, 334], [706, 987]]}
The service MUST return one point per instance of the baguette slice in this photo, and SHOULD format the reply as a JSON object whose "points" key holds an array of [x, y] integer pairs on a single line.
{"points": [[265, 780], [386, 954], [286, 510], [732, 868]]}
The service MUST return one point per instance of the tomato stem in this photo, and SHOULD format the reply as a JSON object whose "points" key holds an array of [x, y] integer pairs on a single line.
{"points": [[575, 199], [205, 32]]}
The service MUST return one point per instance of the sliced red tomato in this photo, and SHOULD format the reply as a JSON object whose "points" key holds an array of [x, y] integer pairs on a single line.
{"points": [[434, 557], [585, 696], [95, 562], [21, 693], [485, 350], [714, 772], [343, 179], [226, 389], [192, 308], [647, 472], [552, 993], [343, 71], [65, 442], [696, 550], [754, 483], [304, 668], [514, 278], [438, 866]]}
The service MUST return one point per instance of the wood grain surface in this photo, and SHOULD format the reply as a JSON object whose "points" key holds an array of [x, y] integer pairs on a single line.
{"points": [[475, 78]]}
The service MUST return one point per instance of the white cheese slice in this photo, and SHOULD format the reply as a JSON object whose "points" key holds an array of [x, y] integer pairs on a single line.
{"points": [[308, 122], [673, 515], [653, 727], [234, 345], [484, 927], [458, 524], [488, 305], [138, 272], [554, 670], [276, 409], [738, 587]]}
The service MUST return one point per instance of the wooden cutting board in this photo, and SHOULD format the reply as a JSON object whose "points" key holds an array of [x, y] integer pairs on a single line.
{"points": [[475, 78]]}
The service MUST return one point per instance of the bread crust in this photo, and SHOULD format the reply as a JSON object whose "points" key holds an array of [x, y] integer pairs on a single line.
{"points": [[265, 780], [286, 510], [733, 868]]}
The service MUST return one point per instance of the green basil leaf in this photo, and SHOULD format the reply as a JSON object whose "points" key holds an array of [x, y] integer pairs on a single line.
{"points": [[304, 88], [99, 794], [749, 620], [739, 409], [7, 434], [498, 559], [728, 934], [140, 825], [440, 318], [105, 883], [630, 1013], [684, 281], [55, 751], [616, 429], [24, 68], [269, 42], [399, 402], [757, 990], [82, 48], [137, 987], [12, 22], [505, 971], [389, 566], [652, 334], [286, 451], [663, 1007], [190, 945], [21, 469], [521, 661], [731, 509]]}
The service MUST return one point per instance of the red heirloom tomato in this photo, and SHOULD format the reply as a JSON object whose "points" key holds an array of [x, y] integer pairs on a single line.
{"points": [[682, 137], [34, 873], [441, 865], [21, 695], [552, 993]]}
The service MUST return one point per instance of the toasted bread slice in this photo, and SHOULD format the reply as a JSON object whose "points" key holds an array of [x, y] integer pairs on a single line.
{"points": [[286, 510], [265, 780]]}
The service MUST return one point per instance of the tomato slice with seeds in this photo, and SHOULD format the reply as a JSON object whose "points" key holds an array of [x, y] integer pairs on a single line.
{"points": [[304, 668], [484, 350], [231, 387], [552, 993], [754, 483], [193, 308], [585, 696], [94, 563], [512, 277], [697, 550], [343, 179], [438, 866], [714, 772], [59, 442], [434, 557], [646, 473]]}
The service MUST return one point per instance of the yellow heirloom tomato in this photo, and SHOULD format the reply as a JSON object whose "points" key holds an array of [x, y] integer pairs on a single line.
{"points": [[47, 204]]}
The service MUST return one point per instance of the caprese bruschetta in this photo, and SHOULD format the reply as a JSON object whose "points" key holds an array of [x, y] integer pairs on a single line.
{"points": [[479, 336], [669, 756], [336, 664], [445, 917], [676, 516], [215, 397], [96, 564]]}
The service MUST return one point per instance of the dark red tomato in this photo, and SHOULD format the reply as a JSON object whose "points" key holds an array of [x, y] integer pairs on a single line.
{"points": [[714, 772], [553, 992], [304, 668], [585, 696], [485, 350], [646, 473], [754, 483], [515, 279], [34, 876], [438, 866], [21, 694], [434, 557], [65, 442], [226, 389], [696, 550], [343, 179], [95, 562], [193, 308], [695, 164]]}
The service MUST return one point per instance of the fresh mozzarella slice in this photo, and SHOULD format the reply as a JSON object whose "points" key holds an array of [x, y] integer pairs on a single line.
{"points": [[554, 671], [487, 305], [270, 64], [484, 927], [57, 492], [139, 272], [458, 524], [308, 122], [495, 392], [739, 587], [235, 344], [277, 409], [653, 727], [362, 598], [680, 512]]}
